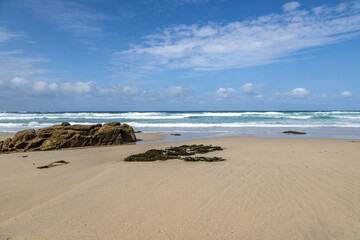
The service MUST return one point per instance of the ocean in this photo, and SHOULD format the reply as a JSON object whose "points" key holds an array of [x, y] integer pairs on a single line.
{"points": [[317, 124]]}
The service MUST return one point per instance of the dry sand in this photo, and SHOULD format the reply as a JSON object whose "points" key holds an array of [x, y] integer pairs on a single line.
{"points": [[267, 189]]}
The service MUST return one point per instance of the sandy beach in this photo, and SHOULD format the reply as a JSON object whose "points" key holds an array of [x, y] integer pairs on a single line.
{"points": [[266, 189]]}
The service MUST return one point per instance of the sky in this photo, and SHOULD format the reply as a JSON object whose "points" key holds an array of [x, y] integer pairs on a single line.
{"points": [[179, 55]]}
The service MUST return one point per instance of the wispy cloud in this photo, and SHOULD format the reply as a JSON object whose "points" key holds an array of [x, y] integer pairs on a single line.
{"points": [[70, 16], [264, 40], [6, 35], [14, 63]]}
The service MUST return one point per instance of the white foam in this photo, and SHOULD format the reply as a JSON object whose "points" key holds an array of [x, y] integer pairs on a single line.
{"points": [[299, 117], [235, 125]]}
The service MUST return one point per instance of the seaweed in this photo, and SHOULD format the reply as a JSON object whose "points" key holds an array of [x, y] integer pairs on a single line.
{"points": [[176, 153], [203, 159], [53, 164]]}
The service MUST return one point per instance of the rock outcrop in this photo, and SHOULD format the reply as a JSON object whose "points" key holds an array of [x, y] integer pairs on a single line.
{"points": [[68, 136]]}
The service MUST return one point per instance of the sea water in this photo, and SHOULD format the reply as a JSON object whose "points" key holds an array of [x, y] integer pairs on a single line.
{"points": [[324, 124]]}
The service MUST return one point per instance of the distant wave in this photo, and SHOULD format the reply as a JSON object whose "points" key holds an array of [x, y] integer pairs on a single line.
{"points": [[15, 121], [238, 125]]}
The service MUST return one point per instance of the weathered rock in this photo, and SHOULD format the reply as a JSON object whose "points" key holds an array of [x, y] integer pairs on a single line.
{"points": [[108, 134], [34, 144], [66, 136], [24, 135], [7, 145], [127, 133], [112, 124]]}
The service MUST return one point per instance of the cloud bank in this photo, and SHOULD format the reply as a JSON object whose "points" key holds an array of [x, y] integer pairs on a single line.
{"points": [[22, 87], [263, 40]]}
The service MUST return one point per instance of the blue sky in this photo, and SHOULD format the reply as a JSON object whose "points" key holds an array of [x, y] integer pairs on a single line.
{"points": [[179, 55]]}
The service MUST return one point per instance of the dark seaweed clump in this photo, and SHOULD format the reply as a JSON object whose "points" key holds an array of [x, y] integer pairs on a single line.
{"points": [[204, 159], [177, 153], [150, 155]]}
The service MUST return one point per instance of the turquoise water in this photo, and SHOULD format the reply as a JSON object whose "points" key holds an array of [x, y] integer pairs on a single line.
{"points": [[328, 124]]}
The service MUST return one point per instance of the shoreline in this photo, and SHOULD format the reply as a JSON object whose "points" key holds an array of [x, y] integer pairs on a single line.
{"points": [[166, 137], [268, 188]]}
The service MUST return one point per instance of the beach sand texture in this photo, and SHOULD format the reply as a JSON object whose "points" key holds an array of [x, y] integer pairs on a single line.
{"points": [[266, 189]]}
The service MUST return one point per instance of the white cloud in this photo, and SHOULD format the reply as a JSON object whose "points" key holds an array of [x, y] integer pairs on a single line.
{"points": [[249, 88], [264, 40], [346, 94], [290, 6], [252, 90], [222, 93], [297, 93], [19, 82], [206, 31]]}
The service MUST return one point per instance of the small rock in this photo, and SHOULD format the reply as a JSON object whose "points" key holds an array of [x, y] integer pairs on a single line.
{"points": [[293, 132]]}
